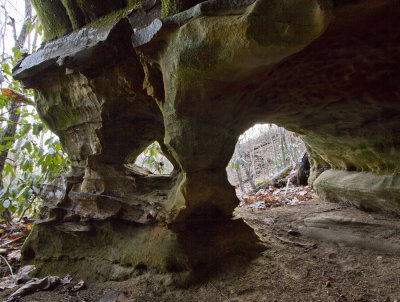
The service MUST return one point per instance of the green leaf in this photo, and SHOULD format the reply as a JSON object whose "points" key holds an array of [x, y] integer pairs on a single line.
{"points": [[27, 146], [22, 193], [3, 192], [36, 190], [48, 141], [8, 169], [6, 69], [58, 159], [37, 128], [24, 130], [48, 160], [6, 203], [30, 27], [52, 152], [39, 29], [17, 54]]}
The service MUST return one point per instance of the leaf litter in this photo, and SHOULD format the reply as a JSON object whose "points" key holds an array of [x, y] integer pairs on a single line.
{"points": [[276, 197], [12, 236]]}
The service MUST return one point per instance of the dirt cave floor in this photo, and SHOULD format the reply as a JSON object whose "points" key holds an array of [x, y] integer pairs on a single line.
{"points": [[315, 251]]}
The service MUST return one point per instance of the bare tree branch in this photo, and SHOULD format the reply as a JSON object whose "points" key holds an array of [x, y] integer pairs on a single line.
{"points": [[8, 121], [12, 24], [34, 43], [3, 34], [23, 33]]}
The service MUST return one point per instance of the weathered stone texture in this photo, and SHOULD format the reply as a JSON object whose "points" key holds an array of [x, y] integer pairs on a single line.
{"points": [[195, 81]]}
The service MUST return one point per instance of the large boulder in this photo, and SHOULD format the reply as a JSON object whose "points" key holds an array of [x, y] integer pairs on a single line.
{"points": [[194, 81]]}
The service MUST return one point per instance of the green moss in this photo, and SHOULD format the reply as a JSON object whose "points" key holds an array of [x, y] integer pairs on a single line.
{"points": [[98, 254], [135, 3], [261, 183], [170, 7], [54, 18], [52, 105], [94, 9], [116, 15], [110, 18]]}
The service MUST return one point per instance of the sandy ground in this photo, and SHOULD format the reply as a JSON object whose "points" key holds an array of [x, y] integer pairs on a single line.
{"points": [[315, 251]]}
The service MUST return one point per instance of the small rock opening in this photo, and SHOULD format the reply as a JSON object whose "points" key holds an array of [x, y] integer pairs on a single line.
{"points": [[153, 160], [269, 167]]}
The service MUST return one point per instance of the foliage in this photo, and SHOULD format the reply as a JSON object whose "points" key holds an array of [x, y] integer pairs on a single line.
{"points": [[152, 158], [237, 163], [35, 163], [35, 154]]}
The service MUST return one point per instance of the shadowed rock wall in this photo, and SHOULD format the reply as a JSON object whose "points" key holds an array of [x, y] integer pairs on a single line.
{"points": [[195, 81]]}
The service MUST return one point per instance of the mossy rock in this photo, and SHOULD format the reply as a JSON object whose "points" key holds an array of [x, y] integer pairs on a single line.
{"points": [[172, 7]]}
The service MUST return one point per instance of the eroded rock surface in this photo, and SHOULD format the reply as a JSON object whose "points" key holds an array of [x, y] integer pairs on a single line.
{"points": [[195, 81]]}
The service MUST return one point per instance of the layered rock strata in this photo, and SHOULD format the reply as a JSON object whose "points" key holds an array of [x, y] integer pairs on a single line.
{"points": [[195, 81]]}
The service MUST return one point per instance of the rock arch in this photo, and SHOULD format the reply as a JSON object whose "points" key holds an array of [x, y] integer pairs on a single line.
{"points": [[195, 81]]}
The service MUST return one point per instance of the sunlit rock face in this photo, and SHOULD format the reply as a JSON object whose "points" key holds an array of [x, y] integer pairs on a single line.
{"points": [[194, 81]]}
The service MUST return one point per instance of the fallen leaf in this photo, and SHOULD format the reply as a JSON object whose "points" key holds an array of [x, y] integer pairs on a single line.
{"points": [[22, 275], [14, 256], [6, 283], [15, 236], [328, 284], [80, 285], [35, 285], [66, 280]]}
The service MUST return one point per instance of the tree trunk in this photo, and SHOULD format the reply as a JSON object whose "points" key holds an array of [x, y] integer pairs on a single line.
{"points": [[304, 171], [20, 41], [239, 175], [280, 174], [253, 160], [273, 147], [246, 169], [289, 147], [281, 134]]}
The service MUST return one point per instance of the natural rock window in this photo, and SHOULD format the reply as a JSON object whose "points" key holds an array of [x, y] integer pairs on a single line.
{"points": [[269, 167], [260, 153], [153, 160]]}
